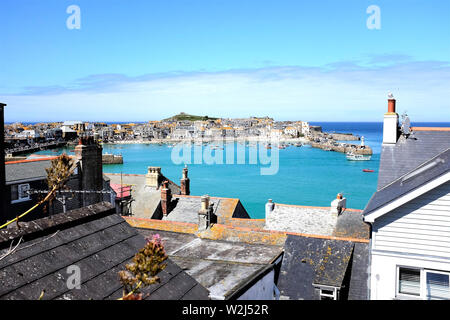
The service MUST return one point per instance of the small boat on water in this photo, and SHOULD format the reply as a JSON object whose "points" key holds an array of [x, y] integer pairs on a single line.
{"points": [[357, 157], [368, 170]]}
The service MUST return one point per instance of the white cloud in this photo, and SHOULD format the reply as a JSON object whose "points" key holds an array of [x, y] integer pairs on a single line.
{"points": [[344, 91]]}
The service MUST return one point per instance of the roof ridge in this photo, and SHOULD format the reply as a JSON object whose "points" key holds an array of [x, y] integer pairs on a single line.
{"points": [[35, 227], [35, 160], [30, 160], [430, 128], [211, 197], [313, 207]]}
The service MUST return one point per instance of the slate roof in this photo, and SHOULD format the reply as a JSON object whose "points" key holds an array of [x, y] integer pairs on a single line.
{"points": [[337, 263], [93, 238], [222, 267], [409, 153], [186, 209], [318, 221], [30, 169], [23, 171], [426, 172], [299, 219]]}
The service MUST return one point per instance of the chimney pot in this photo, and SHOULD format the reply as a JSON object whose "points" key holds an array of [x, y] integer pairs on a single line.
{"points": [[205, 202], [391, 105]]}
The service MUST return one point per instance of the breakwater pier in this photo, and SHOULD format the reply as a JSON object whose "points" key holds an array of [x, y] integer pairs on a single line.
{"points": [[343, 147], [330, 142], [34, 147], [108, 158]]}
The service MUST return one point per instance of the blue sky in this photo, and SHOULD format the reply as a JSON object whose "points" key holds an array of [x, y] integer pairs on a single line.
{"points": [[140, 60]]}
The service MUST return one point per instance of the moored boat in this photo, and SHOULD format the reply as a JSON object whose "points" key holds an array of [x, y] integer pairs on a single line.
{"points": [[357, 157]]}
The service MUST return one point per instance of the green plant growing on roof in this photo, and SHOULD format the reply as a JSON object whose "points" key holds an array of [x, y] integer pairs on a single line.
{"points": [[58, 174], [143, 270]]}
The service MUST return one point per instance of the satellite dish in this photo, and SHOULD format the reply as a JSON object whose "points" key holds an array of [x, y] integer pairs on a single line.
{"points": [[406, 125]]}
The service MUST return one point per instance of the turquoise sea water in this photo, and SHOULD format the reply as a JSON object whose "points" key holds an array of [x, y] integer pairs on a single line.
{"points": [[306, 176]]}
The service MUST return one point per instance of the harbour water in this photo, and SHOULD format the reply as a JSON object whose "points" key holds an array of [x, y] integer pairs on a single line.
{"points": [[306, 176]]}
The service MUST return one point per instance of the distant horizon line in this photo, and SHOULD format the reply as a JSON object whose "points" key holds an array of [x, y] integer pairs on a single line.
{"points": [[113, 122]]}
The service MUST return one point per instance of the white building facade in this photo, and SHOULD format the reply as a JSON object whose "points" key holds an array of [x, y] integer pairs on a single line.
{"points": [[410, 249]]}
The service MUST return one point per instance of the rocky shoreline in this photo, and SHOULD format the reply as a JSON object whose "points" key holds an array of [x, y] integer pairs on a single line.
{"points": [[321, 140], [224, 140]]}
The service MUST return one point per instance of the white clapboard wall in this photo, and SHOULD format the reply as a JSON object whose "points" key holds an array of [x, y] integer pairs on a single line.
{"points": [[421, 226]]}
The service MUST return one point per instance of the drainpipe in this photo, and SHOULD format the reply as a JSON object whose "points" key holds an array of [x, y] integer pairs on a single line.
{"points": [[2, 165]]}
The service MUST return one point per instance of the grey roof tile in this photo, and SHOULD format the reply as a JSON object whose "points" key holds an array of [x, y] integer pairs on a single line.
{"points": [[26, 171], [409, 153], [425, 172], [94, 238], [186, 209], [219, 266], [309, 261]]}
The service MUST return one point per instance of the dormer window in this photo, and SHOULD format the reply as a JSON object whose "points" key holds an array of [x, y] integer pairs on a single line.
{"points": [[328, 293]]}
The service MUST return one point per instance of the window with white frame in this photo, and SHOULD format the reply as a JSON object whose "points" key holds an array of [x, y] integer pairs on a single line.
{"points": [[437, 285], [19, 192], [329, 293], [423, 283], [409, 281]]}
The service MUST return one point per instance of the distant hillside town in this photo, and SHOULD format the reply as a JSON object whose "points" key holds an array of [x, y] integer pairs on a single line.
{"points": [[23, 138]]}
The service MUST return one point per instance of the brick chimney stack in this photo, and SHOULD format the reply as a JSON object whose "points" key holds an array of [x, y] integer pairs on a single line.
{"points": [[166, 198], [390, 123], [2, 165], [89, 153], [185, 182]]}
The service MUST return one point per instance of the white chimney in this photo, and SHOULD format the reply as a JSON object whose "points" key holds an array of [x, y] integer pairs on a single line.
{"points": [[338, 204], [269, 207], [390, 123]]}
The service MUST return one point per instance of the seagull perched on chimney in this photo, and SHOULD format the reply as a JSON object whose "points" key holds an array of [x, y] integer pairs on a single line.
{"points": [[390, 95]]}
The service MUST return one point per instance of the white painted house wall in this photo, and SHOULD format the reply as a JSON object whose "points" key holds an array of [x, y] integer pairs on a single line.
{"points": [[262, 290], [416, 234]]}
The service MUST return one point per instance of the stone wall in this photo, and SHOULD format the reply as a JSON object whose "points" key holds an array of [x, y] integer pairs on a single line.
{"points": [[112, 158]]}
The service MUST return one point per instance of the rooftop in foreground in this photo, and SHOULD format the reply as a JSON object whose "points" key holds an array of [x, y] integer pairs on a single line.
{"points": [[220, 266], [317, 221], [35, 258]]}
